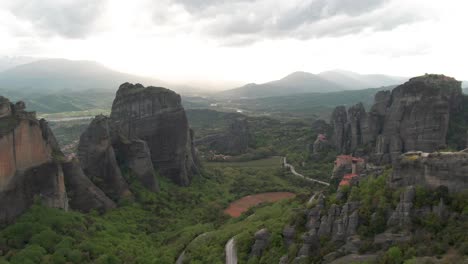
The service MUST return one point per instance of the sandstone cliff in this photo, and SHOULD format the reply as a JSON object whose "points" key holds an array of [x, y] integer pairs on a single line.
{"points": [[32, 165], [414, 116], [27, 167]]}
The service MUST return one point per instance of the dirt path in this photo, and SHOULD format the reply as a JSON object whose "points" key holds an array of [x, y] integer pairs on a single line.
{"points": [[293, 171], [240, 206]]}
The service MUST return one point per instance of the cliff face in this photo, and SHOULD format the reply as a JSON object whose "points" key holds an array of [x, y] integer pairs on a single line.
{"points": [[32, 166], [27, 168], [98, 159], [156, 116], [431, 170], [414, 116]]}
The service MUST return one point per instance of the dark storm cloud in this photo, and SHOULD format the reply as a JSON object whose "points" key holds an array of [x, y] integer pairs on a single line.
{"points": [[67, 18]]}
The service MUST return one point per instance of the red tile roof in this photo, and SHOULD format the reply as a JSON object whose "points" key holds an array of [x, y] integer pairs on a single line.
{"points": [[346, 181]]}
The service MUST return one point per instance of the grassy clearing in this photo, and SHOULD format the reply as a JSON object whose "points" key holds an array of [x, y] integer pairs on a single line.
{"points": [[272, 162]]}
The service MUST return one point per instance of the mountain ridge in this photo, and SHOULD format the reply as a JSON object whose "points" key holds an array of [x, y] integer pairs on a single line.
{"points": [[301, 82]]}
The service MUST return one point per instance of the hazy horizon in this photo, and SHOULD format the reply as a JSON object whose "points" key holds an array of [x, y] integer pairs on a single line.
{"points": [[224, 44]]}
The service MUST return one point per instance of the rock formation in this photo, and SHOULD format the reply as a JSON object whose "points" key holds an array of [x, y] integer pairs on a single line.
{"points": [[156, 116], [234, 141], [339, 223], [339, 121], [401, 217], [32, 166], [431, 170], [27, 166], [262, 239], [97, 157], [414, 116], [135, 156], [320, 145], [289, 234], [83, 195]]}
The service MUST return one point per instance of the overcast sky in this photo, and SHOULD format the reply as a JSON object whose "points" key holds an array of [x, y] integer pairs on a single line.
{"points": [[239, 41]]}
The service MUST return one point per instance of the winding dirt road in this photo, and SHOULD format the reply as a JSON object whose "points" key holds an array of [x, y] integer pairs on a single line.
{"points": [[293, 171]]}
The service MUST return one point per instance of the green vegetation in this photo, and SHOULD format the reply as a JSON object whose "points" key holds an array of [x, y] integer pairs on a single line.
{"points": [[157, 227], [68, 133], [62, 101], [260, 163], [7, 124]]}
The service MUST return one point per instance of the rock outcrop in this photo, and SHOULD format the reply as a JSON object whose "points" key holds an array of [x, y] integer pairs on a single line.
{"points": [[401, 217], [234, 141], [83, 195], [156, 116], [320, 146], [339, 121], [98, 160], [431, 170], [135, 156], [27, 165], [413, 117], [33, 167], [289, 234], [339, 223], [262, 239]]}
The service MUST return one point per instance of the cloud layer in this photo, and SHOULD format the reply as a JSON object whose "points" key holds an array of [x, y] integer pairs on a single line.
{"points": [[66, 18], [229, 21]]}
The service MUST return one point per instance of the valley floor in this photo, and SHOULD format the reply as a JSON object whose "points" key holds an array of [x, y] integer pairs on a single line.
{"points": [[158, 227]]}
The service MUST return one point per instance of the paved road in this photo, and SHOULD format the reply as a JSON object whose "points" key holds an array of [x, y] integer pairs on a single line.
{"points": [[231, 254], [293, 171], [181, 257]]}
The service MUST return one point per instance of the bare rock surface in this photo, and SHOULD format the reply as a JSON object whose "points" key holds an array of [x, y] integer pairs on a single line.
{"points": [[431, 170], [412, 117], [83, 195], [97, 157], [156, 116]]}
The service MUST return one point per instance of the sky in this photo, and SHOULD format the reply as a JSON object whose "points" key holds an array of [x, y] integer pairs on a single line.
{"points": [[221, 43]]}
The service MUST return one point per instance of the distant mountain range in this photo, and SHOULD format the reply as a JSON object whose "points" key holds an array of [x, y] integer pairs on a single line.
{"points": [[7, 62], [304, 82], [59, 74], [52, 75]]}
